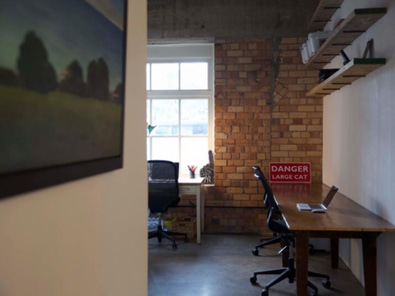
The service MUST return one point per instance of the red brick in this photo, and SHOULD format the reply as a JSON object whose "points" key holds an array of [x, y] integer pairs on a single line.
{"points": [[256, 129]]}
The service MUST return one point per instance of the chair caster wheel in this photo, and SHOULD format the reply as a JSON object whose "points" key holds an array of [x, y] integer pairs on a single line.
{"points": [[326, 284], [265, 292], [253, 280], [255, 252]]}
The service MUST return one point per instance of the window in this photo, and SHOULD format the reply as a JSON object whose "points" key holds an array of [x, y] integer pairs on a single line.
{"points": [[180, 103]]}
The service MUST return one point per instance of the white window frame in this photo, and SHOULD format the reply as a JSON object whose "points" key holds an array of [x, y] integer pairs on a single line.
{"points": [[177, 53]]}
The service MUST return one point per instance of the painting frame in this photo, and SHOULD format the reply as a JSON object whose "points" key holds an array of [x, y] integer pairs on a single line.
{"points": [[27, 180]]}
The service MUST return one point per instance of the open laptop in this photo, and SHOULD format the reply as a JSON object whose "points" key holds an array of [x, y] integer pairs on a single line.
{"points": [[319, 208]]}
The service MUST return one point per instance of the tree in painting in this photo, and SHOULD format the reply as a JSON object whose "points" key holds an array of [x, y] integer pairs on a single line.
{"points": [[35, 71], [98, 79], [73, 80], [118, 93]]}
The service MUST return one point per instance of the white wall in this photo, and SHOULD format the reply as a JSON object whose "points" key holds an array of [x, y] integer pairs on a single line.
{"points": [[86, 237], [359, 139]]}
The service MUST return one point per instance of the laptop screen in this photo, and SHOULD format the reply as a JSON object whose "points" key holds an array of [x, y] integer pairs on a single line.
{"points": [[330, 196]]}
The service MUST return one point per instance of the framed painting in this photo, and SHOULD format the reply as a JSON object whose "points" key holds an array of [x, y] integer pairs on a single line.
{"points": [[62, 77]]}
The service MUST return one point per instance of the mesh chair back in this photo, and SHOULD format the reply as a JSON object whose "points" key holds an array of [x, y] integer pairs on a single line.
{"points": [[163, 189], [274, 221], [258, 174]]}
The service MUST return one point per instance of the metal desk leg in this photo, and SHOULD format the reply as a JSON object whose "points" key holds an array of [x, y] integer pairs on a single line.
{"points": [[202, 198], [198, 215]]}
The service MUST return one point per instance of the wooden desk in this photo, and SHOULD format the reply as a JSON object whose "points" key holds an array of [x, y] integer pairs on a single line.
{"points": [[193, 187], [344, 219]]}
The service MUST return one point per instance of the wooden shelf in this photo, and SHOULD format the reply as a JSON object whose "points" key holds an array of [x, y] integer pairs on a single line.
{"points": [[354, 25], [354, 70], [322, 14]]}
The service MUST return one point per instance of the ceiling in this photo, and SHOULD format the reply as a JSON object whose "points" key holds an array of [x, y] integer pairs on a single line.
{"points": [[229, 19]]}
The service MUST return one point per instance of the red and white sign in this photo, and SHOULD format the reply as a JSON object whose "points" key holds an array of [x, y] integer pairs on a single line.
{"points": [[293, 172]]}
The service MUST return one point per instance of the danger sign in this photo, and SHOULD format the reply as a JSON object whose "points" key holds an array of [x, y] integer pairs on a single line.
{"points": [[290, 172]]}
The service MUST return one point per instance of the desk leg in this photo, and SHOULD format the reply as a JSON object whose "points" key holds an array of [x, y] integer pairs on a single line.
{"points": [[198, 216], [370, 262], [202, 198], [302, 262], [335, 253]]}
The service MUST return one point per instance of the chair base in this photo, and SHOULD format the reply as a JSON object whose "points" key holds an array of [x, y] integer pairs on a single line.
{"points": [[290, 274], [161, 233], [271, 241], [276, 240]]}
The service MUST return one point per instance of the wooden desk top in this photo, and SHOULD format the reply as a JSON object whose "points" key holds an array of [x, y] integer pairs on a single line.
{"points": [[343, 214], [189, 181]]}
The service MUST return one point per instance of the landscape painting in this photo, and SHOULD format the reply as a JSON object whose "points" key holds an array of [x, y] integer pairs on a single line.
{"points": [[62, 82]]}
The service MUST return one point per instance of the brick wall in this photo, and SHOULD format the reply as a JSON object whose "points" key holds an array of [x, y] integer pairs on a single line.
{"points": [[261, 115], [296, 125], [242, 119]]}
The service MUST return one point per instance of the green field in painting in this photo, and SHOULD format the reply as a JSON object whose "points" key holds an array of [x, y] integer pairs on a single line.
{"points": [[39, 130]]}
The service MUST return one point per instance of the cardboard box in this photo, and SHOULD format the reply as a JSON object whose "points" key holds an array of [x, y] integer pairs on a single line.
{"points": [[168, 223], [185, 225]]}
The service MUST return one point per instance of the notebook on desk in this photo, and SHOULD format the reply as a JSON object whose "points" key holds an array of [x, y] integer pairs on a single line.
{"points": [[321, 208]]}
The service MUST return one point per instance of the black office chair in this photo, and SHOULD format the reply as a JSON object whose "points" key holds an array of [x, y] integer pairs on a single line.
{"points": [[258, 174], [163, 193], [278, 225]]}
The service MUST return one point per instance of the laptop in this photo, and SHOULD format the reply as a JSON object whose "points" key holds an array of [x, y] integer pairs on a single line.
{"points": [[319, 208]]}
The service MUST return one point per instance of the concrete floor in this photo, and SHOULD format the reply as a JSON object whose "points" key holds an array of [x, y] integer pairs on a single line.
{"points": [[223, 264]]}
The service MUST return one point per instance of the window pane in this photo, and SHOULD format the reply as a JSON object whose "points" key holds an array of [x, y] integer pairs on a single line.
{"points": [[148, 76], [194, 117], [194, 151], [194, 76], [165, 116], [148, 148], [164, 76], [165, 149], [148, 112], [151, 128]]}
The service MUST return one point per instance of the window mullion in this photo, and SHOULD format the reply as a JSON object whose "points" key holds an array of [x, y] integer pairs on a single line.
{"points": [[179, 130]]}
